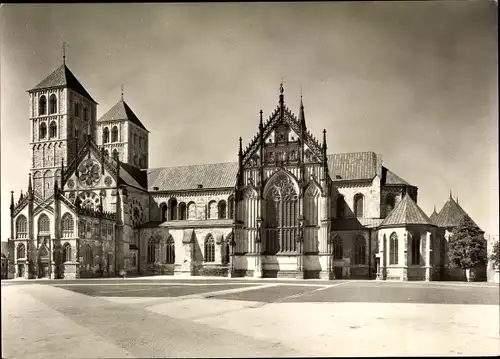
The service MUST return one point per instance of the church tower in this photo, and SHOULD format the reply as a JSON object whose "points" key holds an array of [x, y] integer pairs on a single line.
{"points": [[122, 134], [62, 113]]}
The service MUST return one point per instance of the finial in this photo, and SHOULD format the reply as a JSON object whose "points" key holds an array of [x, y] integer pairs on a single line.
{"points": [[450, 194], [122, 90], [241, 145], [435, 208], [324, 137], [11, 199], [282, 90], [30, 188], [261, 122]]}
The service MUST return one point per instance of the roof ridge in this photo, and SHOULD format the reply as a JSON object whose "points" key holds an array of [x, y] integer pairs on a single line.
{"points": [[198, 164]]}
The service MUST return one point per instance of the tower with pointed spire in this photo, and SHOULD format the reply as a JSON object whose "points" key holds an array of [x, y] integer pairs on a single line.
{"points": [[61, 113], [122, 134]]}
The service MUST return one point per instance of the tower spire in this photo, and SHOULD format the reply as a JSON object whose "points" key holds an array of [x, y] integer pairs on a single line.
{"points": [[282, 100], [64, 46], [302, 116]]}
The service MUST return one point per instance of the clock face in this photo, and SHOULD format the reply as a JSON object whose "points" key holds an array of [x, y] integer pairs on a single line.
{"points": [[90, 172]]}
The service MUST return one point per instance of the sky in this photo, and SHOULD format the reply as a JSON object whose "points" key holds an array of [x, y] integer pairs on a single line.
{"points": [[414, 81]]}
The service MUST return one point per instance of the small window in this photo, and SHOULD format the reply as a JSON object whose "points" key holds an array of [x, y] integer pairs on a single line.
{"points": [[114, 134], [415, 251], [85, 114], [337, 248], [53, 130], [43, 131], [170, 250], [393, 248], [358, 205], [42, 106], [105, 135], [76, 109], [340, 206], [53, 104]]}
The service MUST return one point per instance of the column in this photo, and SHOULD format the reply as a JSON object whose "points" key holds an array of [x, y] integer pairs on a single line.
{"points": [[383, 256]]}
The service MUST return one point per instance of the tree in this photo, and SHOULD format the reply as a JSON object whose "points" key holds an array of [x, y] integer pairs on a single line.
{"points": [[467, 247], [495, 256]]}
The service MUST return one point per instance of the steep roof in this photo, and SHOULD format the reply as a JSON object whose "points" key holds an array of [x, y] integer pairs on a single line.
{"points": [[218, 175], [406, 212], [63, 77], [451, 214], [352, 166], [434, 216], [390, 178], [121, 111]]}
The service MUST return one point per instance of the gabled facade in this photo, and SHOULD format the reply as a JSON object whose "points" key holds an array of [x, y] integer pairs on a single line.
{"points": [[285, 208]]}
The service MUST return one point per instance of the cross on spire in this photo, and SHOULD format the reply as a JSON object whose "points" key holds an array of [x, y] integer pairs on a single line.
{"points": [[281, 85], [122, 90], [64, 46]]}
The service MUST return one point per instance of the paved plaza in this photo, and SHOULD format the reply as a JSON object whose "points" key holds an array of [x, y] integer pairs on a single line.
{"points": [[173, 317]]}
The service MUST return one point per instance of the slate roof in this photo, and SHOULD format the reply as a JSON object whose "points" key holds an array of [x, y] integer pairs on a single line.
{"points": [[434, 216], [406, 212], [350, 224], [140, 176], [121, 111], [218, 175], [390, 178], [352, 166], [451, 214], [63, 77]]}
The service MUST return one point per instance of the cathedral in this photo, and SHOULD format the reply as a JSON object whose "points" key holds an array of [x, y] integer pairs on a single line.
{"points": [[285, 208]]}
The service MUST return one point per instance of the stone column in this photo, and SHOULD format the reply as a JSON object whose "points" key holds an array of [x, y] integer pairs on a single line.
{"points": [[428, 267], [383, 256], [257, 272], [404, 276]]}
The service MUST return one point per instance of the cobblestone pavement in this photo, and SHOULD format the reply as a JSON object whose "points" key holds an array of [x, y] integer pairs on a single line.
{"points": [[247, 318]]}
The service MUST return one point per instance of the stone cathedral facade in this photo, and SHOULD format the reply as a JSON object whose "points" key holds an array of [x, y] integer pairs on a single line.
{"points": [[285, 208]]}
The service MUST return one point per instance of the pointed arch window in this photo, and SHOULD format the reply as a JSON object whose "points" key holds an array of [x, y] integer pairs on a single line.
{"points": [[338, 250], [105, 135], [21, 251], [281, 216], [67, 252], [42, 134], [415, 251], [114, 134], [182, 211], [43, 224], [53, 129], [209, 249], [222, 209], [360, 250], [21, 227], [152, 247], [68, 225], [340, 206], [358, 205], [42, 106], [53, 104], [170, 250], [393, 248]]}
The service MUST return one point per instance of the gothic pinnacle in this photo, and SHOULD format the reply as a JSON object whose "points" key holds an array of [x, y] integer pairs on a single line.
{"points": [[30, 187]]}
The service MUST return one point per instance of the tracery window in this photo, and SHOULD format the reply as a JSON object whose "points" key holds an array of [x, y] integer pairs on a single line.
{"points": [[281, 216], [67, 225], [393, 248], [209, 249], [358, 205], [360, 250], [170, 250], [21, 227], [153, 244], [43, 224], [338, 251]]}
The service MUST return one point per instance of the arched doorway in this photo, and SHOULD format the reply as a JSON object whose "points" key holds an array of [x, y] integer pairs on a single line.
{"points": [[43, 262]]}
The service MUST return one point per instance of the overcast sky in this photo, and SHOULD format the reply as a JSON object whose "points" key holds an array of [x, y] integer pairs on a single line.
{"points": [[414, 81]]}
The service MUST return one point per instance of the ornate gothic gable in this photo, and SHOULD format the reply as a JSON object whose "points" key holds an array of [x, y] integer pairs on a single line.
{"points": [[273, 121]]}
